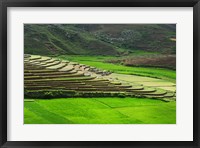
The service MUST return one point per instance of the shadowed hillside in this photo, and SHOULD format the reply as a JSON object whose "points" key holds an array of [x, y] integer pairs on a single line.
{"points": [[99, 39]]}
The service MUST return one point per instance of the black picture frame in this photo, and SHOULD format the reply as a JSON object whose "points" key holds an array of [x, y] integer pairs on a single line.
{"points": [[99, 3]]}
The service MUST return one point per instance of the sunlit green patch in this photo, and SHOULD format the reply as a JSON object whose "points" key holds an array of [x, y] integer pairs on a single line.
{"points": [[99, 111], [99, 62]]}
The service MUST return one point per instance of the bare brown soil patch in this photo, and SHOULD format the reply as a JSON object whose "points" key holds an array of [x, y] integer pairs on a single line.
{"points": [[164, 61]]}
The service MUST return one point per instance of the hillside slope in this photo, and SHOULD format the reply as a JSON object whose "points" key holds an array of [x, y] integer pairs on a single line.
{"points": [[98, 39]]}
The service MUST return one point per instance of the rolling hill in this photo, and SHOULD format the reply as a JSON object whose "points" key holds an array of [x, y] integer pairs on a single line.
{"points": [[98, 39]]}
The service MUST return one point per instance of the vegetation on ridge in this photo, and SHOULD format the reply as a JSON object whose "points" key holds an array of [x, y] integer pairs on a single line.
{"points": [[99, 39]]}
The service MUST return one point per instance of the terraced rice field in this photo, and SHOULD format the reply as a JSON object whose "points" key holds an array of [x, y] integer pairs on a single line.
{"points": [[66, 92], [146, 81], [50, 78]]}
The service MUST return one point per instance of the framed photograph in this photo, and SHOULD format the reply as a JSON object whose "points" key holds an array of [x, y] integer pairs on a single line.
{"points": [[99, 73]]}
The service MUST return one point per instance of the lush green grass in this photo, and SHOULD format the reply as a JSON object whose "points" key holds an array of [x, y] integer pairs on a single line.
{"points": [[98, 61], [99, 111]]}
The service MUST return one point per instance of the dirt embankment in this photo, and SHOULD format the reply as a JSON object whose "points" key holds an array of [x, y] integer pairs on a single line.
{"points": [[161, 61]]}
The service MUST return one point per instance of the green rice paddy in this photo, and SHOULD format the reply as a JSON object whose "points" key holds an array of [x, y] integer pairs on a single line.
{"points": [[99, 111], [98, 61]]}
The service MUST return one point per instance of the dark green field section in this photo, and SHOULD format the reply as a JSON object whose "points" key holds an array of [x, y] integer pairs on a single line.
{"points": [[45, 77], [99, 111]]}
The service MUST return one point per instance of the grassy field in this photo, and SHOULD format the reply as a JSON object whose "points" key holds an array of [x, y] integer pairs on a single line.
{"points": [[98, 61], [99, 110]]}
